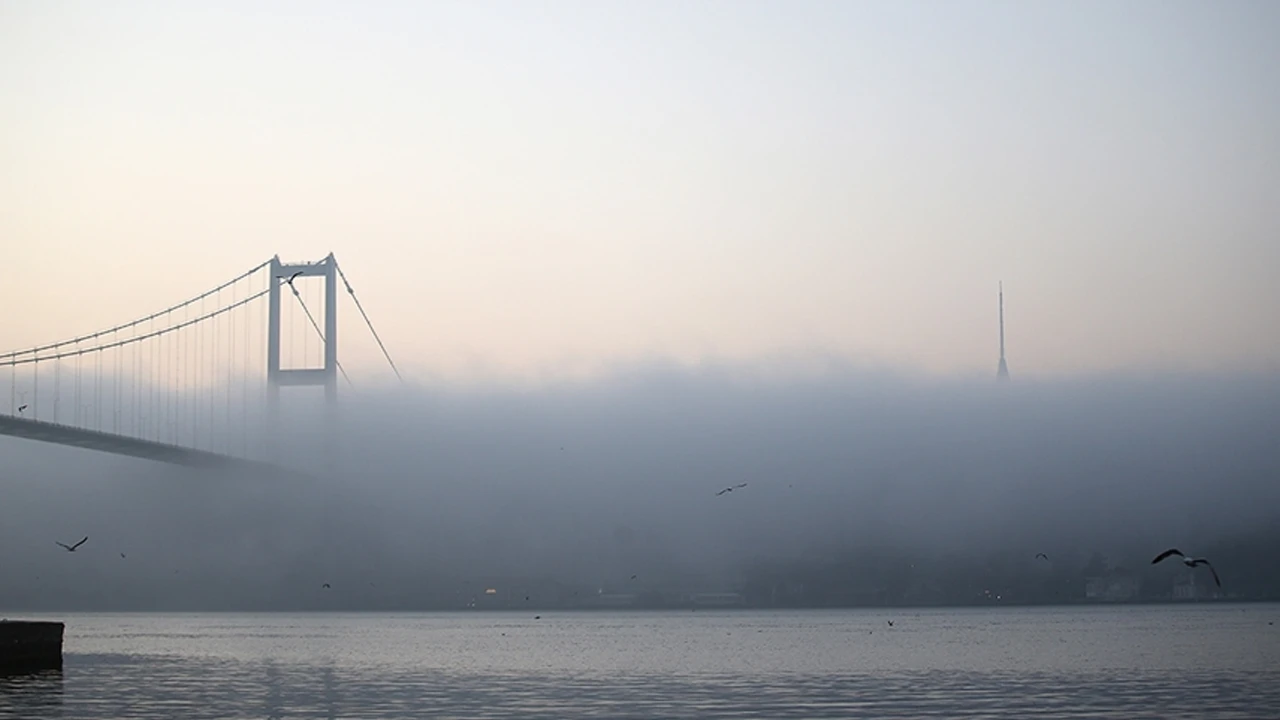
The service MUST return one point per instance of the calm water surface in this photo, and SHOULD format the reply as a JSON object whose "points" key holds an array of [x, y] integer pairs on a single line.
{"points": [[1214, 661]]}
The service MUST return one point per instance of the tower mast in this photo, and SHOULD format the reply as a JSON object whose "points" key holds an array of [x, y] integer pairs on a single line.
{"points": [[1002, 373]]}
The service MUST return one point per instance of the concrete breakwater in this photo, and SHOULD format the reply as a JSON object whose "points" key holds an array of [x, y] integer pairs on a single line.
{"points": [[28, 646]]}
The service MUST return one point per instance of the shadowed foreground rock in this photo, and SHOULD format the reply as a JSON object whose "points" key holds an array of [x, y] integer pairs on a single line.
{"points": [[30, 646]]}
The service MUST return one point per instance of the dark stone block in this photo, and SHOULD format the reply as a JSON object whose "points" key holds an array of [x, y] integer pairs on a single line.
{"points": [[27, 646]]}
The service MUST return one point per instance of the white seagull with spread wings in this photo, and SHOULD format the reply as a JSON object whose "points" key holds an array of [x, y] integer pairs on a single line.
{"points": [[1189, 562]]}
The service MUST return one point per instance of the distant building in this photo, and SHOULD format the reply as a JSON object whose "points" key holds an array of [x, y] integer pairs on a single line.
{"points": [[1185, 587], [511, 593], [786, 592], [1113, 587], [613, 600], [728, 599]]}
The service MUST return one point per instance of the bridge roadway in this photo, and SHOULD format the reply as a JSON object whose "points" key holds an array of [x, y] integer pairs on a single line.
{"points": [[44, 431]]}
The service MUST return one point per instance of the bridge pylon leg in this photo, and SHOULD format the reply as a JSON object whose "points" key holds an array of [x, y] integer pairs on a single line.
{"points": [[273, 359], [283, 275]]}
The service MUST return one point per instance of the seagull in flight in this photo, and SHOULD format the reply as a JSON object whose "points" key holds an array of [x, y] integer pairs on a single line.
{"points": [[289, 279], [21, 408], [72, 548], [325, 586], [730, 489], [1041, 555], [1189, 562]]}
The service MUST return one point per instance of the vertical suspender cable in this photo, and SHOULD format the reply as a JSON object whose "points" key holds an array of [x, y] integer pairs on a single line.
{"points": [[171, 385], [115, 388], [97, 393], [199, 392], [244, 382], [149, 425], [79, 369], [231, 355], [213, 370]]}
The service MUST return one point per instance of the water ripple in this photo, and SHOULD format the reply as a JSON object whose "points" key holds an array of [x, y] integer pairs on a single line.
{"points": [[103, 686], [647, 666]]}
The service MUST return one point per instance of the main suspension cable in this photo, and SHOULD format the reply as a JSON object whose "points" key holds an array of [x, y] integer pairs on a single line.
{"points": [[368, 322]]}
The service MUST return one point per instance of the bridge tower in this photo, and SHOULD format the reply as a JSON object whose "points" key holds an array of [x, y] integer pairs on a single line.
{"points": [[282, 276]]}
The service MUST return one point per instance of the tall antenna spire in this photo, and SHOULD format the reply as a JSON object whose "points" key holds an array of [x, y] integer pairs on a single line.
{"points": [[1002, 373]]}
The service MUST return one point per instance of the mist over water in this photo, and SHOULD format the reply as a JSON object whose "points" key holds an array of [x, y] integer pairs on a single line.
{"points": [[422, 493]]}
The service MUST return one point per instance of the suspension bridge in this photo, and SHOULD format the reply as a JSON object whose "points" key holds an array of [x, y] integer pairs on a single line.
{"points": [[197, 383]]}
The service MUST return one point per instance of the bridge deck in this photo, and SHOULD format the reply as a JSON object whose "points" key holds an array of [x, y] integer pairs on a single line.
{"points": [[44, 431]]}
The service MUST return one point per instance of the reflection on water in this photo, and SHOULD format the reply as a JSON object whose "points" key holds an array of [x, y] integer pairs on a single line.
{"points": [[31, 695], [139, 687], [1212, 662]]}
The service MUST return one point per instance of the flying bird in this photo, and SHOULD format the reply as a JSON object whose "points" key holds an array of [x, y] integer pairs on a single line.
{"points": [[633, 577], [1189, 562], [325, 586], [72, 548], [121, 554], [289, 279], [730, 489], [1041, 555], [21, 408], [890, 623]]}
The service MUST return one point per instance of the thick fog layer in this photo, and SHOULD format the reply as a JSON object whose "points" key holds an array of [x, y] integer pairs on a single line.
{"points": [[421, 496]]}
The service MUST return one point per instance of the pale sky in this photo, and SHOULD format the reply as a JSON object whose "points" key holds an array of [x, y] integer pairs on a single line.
{"points": [[529, 186]]}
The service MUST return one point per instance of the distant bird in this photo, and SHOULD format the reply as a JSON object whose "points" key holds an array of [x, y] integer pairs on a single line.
{"points": [[21, 408], [537, 617], [1041, 555], [289, 279], [633, 577], [72, 548], [1189, 562], [890, 623], [121, 554], [325, 586], [730, 489]]}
